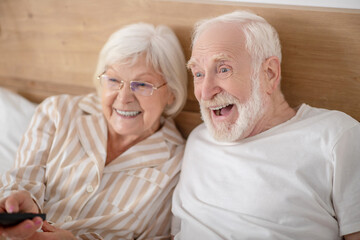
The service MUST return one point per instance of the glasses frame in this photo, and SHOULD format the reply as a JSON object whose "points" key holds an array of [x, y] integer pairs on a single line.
{"points": [[122, 83]]}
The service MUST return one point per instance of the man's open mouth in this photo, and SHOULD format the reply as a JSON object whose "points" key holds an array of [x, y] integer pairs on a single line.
{"points": [[222, 110]]}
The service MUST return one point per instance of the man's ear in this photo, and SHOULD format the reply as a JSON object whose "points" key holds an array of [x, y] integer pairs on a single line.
{"points": [[272, 69]]}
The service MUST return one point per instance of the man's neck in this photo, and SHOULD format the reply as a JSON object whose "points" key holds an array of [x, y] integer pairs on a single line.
{"points": [[278, 112]]}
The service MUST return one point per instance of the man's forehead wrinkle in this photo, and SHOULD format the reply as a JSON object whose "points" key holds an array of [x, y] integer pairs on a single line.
{"points": [[210, 58], [209, 51], [220, 57]]}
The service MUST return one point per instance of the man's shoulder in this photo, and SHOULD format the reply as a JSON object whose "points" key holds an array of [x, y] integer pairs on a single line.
{"points": [[323, 115], [323, 121], [197, 132]]}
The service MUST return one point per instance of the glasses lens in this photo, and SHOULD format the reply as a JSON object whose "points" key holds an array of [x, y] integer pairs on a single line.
{"points": [[141, 88], [110, 83], [103, 80]]}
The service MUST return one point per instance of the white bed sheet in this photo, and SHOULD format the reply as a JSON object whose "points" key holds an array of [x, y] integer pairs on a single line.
{"points": [[15, 115]]}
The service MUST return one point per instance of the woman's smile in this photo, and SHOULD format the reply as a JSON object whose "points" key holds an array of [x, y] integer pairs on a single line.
{"points": [[127, 113]]}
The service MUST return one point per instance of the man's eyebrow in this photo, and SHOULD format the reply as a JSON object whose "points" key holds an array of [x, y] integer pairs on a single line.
{"points": [[220, 57], [215, 58], [191, 63]]}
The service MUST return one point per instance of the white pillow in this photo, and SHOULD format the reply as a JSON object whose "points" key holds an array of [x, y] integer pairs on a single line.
{"points": [[15, 115]]}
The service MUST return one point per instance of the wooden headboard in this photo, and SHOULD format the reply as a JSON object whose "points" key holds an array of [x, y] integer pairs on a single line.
{"points": [[51, 47]]}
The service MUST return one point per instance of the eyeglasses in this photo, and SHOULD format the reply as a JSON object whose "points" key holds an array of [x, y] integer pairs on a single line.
{"points": [[141, 88]]}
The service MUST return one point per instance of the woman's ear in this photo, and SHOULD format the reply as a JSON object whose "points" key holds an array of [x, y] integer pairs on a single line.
{"points": [[171, 98], [272, 69]]}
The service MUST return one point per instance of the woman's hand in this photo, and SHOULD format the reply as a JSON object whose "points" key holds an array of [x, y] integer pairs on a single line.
{"points": [[52, 233], [49, 233], [20, 201], [28, 231]]}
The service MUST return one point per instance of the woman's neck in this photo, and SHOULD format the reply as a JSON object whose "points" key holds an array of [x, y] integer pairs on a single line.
{"points": [[118, 144]]}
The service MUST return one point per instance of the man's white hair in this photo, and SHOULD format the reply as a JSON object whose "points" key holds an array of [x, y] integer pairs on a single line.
{"points": [[162, 50], [262, 40]]}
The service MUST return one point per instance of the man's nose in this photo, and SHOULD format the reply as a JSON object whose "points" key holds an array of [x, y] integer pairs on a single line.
{"points": [[210, 87]]}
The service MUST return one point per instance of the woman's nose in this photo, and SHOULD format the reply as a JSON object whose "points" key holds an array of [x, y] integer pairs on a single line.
{"points": [[125, 94], [121, 85]]}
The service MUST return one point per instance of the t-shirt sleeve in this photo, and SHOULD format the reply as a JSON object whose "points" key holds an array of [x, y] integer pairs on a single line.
{"points": [[346, 180]]}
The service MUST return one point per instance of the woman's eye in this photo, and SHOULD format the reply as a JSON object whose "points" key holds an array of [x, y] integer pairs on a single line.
{"points": [[112, 80], [142, 85]]}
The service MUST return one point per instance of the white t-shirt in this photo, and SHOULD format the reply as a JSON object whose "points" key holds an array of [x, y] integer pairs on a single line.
{"points": [[298, 180]]}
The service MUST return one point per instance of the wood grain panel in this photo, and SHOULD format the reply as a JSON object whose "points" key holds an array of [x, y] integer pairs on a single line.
{"points": [[186, 121], [51, 46]]}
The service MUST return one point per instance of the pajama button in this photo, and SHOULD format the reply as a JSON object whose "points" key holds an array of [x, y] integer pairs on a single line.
{"points": [[89, 189], [68, 219]]}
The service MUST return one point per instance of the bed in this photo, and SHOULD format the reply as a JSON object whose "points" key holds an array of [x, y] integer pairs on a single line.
{"points": [[51, 47]]}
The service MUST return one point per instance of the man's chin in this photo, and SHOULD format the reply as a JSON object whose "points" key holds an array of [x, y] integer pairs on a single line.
{"points": [[224, 132], [221, 129]]}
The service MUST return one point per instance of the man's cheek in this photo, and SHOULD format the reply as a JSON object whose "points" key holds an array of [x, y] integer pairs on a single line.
{"points": [[197, 92]]}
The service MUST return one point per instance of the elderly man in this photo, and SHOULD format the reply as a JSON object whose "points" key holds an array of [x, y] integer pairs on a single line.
{"points": [[257, 168]]}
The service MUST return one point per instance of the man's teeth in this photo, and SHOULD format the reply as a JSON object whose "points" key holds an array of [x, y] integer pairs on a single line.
{"points": [[128, 113], [218, 108]]}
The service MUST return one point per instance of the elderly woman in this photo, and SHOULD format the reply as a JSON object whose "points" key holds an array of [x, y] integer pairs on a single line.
{"points": [[104, 166]]}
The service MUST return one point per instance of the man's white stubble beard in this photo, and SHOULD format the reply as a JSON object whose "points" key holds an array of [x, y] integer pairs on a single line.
{"points": [[248, 114]]}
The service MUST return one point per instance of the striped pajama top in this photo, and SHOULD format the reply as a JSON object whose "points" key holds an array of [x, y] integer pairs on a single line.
{"points": [[61, 162]]}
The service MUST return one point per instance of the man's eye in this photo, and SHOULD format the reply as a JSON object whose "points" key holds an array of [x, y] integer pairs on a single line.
{"points": [[198, 74], [224, 70]]}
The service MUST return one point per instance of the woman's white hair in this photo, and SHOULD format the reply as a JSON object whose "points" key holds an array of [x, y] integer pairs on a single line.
{"points": [[162, 50], [262, 40]]}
